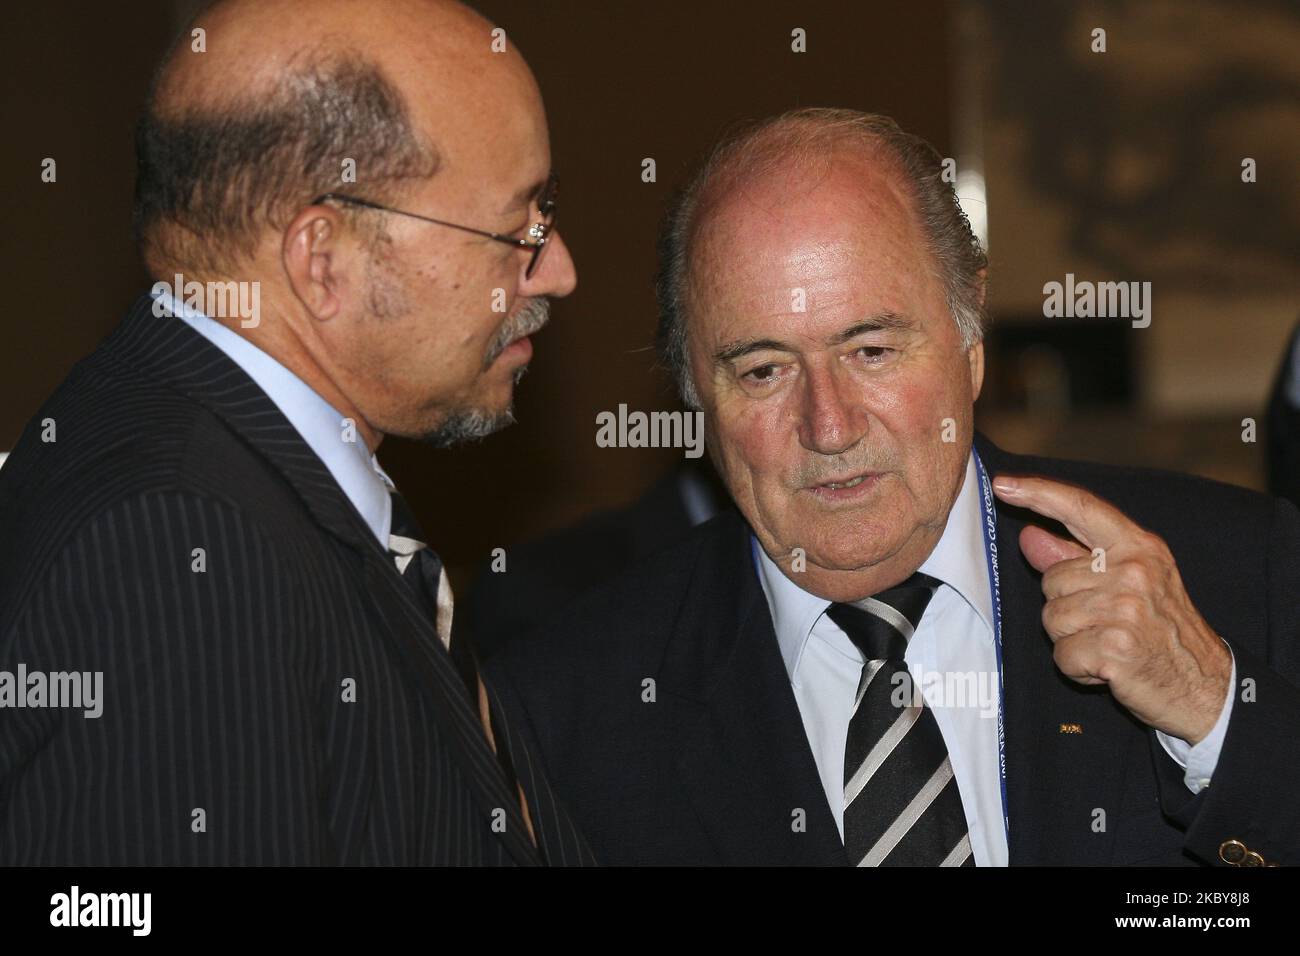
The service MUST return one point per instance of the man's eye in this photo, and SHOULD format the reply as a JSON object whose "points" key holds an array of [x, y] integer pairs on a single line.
{"points": [[763, 373], [875, 353]]}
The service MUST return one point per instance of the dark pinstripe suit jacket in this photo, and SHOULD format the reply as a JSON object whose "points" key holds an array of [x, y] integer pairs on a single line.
{"points": [[225, 735]]}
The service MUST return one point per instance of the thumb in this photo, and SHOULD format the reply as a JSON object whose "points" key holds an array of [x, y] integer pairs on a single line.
{"points": [[1043, 549]]}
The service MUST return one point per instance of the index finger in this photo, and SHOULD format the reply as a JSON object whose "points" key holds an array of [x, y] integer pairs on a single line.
{"points": [[1094, 522]]}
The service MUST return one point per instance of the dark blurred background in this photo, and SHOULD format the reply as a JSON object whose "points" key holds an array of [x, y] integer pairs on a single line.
{"points": [[1123, 165]]}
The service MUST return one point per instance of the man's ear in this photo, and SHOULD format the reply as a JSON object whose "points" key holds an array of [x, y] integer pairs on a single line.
{"points": [[312, 257], [976, 352], [976, 355]]}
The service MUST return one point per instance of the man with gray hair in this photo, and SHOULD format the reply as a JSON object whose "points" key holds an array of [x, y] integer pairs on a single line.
{"points": [[884, 658]]}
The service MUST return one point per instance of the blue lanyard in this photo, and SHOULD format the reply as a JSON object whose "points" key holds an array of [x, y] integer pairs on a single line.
{"points": [[991, 554]]}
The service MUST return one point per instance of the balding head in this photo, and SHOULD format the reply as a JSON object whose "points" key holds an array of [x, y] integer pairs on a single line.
{"points": [[421, 106], [282, 94], [810, 143], [253, 44]]}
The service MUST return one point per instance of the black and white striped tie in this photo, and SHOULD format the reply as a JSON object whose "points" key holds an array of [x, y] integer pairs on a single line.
{"points": [[901, 802], [423, 572]]}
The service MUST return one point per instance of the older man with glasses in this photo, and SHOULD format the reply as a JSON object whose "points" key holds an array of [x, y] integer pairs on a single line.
{"points": [[196, 521]]}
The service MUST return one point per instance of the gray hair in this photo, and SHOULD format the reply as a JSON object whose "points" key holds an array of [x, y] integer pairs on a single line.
{"points": [[210, 177], [801, 136]]}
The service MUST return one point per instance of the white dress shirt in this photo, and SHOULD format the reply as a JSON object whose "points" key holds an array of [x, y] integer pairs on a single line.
{"points": [[319, 423], [953, 660]]}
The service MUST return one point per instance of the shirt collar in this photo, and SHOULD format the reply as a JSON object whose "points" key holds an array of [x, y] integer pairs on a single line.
{"points": [[958, 560], [320, 424]]}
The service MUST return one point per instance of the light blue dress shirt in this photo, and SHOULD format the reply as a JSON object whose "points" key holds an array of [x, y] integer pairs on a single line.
{"points": [[319, 423], [951, 657]]}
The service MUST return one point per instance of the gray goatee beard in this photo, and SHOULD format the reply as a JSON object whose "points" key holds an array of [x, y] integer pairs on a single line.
{"points": [[464, 425], [467, 425]]}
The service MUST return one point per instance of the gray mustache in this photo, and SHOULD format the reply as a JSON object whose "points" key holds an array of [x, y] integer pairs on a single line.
{"points": [[531, 318], [819, 473]]}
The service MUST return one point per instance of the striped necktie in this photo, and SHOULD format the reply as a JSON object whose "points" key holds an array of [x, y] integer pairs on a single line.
{"points": [[901, 802], [424, 573]]}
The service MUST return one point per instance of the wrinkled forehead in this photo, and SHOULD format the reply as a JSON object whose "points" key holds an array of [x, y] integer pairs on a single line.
{"points": [[840, 237]]}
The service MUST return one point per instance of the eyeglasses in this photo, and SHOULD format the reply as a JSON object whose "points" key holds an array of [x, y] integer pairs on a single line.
{"points": [[539, 233]]}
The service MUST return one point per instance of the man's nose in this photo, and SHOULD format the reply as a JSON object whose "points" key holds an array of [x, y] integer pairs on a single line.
{"points": [[832, 418], [555, 275]]}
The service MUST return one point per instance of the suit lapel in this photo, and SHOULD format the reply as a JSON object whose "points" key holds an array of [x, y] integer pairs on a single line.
{"points": [[167, 349], [412, 632], [743, 756], [1067, 747]]}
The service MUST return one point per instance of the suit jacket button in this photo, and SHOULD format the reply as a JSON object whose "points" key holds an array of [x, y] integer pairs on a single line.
{"points": [[1232, 852]]}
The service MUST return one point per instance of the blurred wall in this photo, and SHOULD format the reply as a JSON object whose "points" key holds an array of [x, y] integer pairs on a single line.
{"points": [[1114, 136]]}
